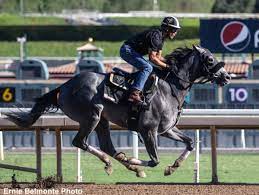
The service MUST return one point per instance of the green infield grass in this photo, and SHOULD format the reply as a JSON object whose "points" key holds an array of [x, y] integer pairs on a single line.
{"points": [[9, 19], [12, 19], [232, 168], [68, 49], [155, 21]]}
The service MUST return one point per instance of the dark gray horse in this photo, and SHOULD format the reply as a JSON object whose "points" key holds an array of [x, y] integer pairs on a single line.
{"points": [[81, 98]]}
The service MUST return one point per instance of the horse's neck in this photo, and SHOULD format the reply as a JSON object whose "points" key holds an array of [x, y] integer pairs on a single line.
{"points": [[170, 89], [182, 86], [179, 85], [188, 76]]}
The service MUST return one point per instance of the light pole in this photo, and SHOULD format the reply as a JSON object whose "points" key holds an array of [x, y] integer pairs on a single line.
{"points": [[21, 7], [155, 5], [22, 41]]}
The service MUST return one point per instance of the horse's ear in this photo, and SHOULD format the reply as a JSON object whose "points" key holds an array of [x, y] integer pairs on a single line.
{"points": [[199, 49]]}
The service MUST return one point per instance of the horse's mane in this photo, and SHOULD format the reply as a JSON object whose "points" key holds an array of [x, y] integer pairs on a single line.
{"points": [[175, 59], [178, 55]]}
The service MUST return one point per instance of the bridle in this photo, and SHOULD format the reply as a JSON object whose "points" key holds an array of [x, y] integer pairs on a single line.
{"points": [[211, 72]]}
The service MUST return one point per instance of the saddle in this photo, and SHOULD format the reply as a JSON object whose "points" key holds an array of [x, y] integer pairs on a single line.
{"points": [[118, 84], [117, 88]]}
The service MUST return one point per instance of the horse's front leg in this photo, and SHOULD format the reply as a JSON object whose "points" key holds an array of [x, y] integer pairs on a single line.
{"points": [[177, 135]]}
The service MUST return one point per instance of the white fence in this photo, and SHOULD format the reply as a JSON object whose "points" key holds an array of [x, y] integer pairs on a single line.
{"points": [[191, 119], [155, 14]]}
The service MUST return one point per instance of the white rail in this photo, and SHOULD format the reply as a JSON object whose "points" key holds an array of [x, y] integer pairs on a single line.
{"points": [[193, 112], [147, 14], [191, 118], [214, 120]]}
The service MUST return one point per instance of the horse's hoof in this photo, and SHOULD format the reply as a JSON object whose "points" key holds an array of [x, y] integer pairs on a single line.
{"points": [[141, 174], [167, 171], [121, 157], [108, 169]]}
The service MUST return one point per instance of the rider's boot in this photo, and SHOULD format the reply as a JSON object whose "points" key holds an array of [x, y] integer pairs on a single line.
{"points": [[135, 97]]}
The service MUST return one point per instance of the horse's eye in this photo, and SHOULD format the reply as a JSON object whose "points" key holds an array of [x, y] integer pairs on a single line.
{"points": [[204, 57]]}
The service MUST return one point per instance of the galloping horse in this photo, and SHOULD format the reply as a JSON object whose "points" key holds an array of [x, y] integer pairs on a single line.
{"points": [[81, 99]]}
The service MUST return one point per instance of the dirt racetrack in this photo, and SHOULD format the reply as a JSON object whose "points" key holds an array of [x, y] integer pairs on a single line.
{"points": [[147, 189]]}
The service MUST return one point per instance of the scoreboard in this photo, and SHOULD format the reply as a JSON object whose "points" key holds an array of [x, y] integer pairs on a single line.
{"points": [[7, 94]]}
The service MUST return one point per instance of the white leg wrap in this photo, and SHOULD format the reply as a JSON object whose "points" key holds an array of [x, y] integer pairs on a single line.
{"points": [[95, 151], [184, 155], [135, 161], [132, 161]]}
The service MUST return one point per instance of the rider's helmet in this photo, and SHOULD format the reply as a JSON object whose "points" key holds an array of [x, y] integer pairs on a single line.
{"points": [[170, 24]]}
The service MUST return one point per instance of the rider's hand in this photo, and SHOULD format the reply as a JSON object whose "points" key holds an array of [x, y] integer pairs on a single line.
{"points": [[169, 67]]}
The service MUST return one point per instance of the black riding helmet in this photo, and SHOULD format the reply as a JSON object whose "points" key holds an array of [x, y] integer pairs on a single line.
{"points": [[170, 24]]}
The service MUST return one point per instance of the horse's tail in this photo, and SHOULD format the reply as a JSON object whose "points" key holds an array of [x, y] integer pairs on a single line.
{"points": [[42, 104]]}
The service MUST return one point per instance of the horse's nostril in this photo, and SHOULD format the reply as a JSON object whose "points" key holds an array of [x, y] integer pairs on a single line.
{"points": [[210, 59]]}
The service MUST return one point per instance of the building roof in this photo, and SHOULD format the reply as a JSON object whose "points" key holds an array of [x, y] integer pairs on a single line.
{"points": [[7, 69], [237, 68], [240, 69], [7, 74], [64, 69], [7, 65], [71, 68]]}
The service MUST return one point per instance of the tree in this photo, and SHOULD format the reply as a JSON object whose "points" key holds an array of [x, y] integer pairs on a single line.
{"points": [[43, 6], [256, 7], [233, 6]]}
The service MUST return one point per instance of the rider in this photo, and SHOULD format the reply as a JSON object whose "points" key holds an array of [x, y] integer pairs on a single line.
{"points": [[148, 42]]}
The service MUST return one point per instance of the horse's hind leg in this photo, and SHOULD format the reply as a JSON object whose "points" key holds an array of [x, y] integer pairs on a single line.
{"points": [[86, 127], [176, 134], [150, 140], [105, 142]]}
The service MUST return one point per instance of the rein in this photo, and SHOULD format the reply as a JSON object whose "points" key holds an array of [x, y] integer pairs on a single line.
{"points": [[210, 77], [202, 81]]}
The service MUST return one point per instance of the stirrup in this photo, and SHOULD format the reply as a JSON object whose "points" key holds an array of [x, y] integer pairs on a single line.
{"points": [[143, 104]]}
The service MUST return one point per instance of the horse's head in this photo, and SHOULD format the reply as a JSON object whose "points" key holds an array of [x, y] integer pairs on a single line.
{"points": [[197, 63], [211, 68]]}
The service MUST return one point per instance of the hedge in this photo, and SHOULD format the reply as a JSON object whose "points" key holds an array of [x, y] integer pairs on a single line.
{"points": [[82, 33]]}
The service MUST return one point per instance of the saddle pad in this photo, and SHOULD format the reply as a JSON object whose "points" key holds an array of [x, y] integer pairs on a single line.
{"points": [[119, 81], [116, 88]]}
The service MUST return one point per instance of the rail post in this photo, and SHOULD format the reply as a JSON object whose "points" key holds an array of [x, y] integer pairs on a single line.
{"points": [[59, 154], [197, 157], [1, 143], [135, 144], [243, 138], [214, 154], [79, 175], [38, 153]]}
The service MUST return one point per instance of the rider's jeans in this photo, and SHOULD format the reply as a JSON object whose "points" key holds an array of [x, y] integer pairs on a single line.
{"points": [[135, 59]]}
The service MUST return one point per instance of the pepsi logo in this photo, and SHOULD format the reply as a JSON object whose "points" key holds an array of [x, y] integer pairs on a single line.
{"points": [[235, 36]]}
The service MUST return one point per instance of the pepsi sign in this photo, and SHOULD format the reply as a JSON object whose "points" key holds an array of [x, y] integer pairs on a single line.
{"points": [[235, 36], [230, 36]]}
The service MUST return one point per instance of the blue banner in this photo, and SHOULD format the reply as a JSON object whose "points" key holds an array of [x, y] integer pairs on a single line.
{"points": [[230, 36]]}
